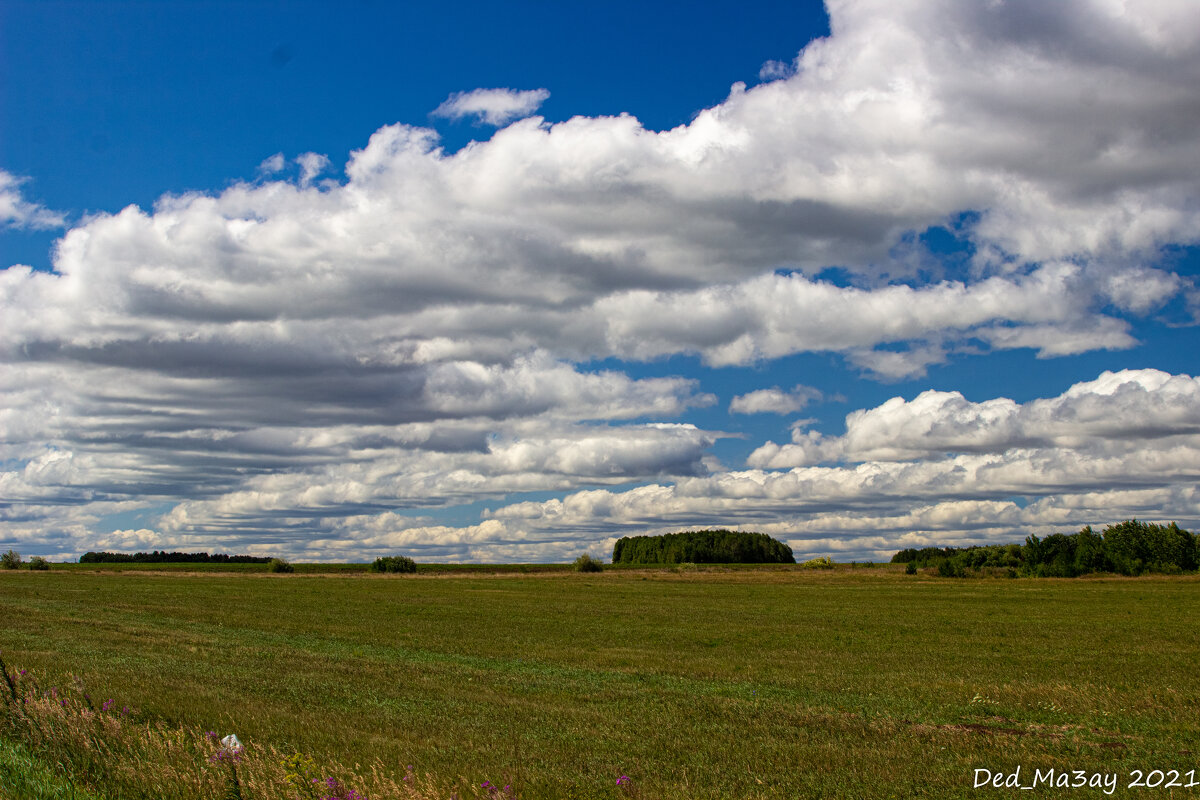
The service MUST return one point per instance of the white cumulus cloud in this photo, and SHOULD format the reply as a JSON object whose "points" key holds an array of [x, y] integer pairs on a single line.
{"points": [[774, 400], [17, 212], [492, 106]]}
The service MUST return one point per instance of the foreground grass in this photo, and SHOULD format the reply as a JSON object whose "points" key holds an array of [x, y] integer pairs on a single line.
{"points": [[709, 684], [26, 776]]}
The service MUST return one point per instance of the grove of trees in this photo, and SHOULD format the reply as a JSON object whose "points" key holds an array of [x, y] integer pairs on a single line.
{"points": [[163, 557], [1127, 548], [718, 546]]}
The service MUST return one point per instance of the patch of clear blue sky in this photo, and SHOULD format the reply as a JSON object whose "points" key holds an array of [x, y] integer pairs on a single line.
{"points": [[133, 519]]}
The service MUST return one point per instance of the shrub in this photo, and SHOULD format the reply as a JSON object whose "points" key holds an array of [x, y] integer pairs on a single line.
{"points": [[281, 565], [394, 564], [11, 560], [950, 568], [911, 569], [585, 563], [39, 563], [822, 562]]}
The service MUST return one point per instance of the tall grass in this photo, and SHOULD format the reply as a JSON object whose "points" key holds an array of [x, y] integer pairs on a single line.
{"points": [[59, 741]]}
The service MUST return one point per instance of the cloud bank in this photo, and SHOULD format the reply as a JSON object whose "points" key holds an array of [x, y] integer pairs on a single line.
{"points": [[311, 365]]}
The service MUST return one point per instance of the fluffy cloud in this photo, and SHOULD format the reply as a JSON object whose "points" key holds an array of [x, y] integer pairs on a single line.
{"points": [[311, 165], [17, 212], [414, 332], [1129, 408], [272, 164], [774, 400], [1049, 309], [492, 106]]}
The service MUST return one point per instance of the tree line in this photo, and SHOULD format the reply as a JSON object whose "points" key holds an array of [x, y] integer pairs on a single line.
{"points": [[163, 557], [1126, 548], [717, 546]]}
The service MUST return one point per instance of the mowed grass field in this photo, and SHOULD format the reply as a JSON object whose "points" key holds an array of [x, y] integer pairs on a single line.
{"points": [[766, 683]]}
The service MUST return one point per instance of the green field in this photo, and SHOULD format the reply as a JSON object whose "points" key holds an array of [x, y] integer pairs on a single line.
{"points": [[703, 683]]}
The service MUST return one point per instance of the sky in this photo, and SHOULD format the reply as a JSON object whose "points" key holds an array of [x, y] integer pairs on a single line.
{"points": [[505, 282]]}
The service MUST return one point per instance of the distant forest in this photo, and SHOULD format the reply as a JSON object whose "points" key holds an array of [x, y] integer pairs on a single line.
{"points": [[702, 547], [163, 557], [1127, 548]]}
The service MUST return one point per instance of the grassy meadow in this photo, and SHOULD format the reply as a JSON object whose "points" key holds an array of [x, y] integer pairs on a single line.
{"points": [[704, 683]]}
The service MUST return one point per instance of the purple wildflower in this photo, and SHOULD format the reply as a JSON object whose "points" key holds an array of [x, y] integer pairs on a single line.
{"points": [[223, 756], [623, 780], [107, 705]]}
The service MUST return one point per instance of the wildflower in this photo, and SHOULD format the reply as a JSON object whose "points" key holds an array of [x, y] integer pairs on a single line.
{"points": [[231, 749], [107, 704], [623, 780]]}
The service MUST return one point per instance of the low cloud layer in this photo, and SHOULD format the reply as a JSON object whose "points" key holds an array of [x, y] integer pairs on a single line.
{"points": [[312, 364], [935, 469]]}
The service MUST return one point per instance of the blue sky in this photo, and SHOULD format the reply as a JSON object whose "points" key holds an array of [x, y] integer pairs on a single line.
{"points": [[506, 282]]}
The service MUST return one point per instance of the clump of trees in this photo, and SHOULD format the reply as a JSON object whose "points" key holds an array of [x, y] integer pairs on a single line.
{"points": [[163, 557], [1126, 548], [718, 546], [394, 564], [12, 560]]}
